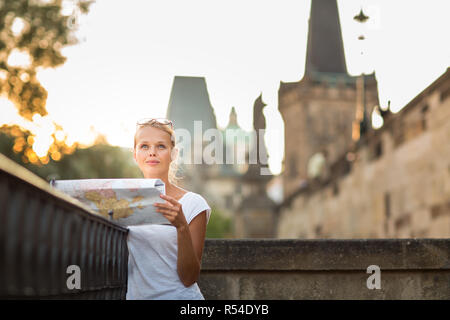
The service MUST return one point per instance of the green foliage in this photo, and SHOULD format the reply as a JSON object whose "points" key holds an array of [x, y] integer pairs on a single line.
{"points": [[98, 161], [218, 226], [43, 31], [7, 144]]}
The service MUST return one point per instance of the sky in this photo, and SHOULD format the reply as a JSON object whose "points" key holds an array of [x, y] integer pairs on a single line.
{"points": [[130, 51]]}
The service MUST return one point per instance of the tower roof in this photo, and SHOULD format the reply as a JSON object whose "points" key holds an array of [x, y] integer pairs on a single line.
{"points": [[232, 122], [189, 102], [325, 50]]}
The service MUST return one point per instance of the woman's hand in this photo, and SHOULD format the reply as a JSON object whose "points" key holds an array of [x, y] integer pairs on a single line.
{"points": [[172, 210]]}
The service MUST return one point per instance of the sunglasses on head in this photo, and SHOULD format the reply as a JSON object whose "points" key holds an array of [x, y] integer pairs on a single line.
{"points": [[150, 121]]}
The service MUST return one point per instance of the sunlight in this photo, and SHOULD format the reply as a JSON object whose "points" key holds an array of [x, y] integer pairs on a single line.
{"points": [[9, 112], [70, 140], [68, 8], [60, 135], [18, 26], [19, 58], [41, 145], [43, 128], [377, 119]]}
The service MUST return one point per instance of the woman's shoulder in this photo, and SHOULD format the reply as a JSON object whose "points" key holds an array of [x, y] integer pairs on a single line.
{"points": [[193, 197], [195, 203], [183, 193]]}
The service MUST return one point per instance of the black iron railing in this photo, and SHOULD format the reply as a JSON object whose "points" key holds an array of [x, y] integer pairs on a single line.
{"points": [[49, 241]]}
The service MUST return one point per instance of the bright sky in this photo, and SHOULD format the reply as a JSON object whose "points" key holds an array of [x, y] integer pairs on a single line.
{"points": [[130, 52]]}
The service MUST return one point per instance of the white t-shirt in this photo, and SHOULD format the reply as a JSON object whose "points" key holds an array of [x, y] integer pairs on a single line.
{"points": [[153, 254]]}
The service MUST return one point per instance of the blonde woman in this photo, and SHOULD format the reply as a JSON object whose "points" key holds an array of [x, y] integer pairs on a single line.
{"points": [[164, 260]]}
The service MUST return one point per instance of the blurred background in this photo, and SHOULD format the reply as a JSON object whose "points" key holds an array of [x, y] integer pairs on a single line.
{"points": [[353, 96]]}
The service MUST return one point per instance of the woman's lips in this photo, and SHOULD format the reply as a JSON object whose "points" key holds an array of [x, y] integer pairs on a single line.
{"points": [[152, 162]]}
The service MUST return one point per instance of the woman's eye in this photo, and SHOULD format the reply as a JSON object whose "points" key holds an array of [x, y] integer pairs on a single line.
{"points": [[163, 146], [143, 146]]}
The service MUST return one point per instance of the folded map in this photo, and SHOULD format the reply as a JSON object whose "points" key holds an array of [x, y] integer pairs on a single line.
{"points": [[126, 201]]}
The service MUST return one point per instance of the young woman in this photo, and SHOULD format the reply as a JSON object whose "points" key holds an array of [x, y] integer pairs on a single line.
{"points": [[164, 260]]}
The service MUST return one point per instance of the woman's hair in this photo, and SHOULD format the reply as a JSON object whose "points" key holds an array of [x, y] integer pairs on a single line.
{"points": [[173, 165]]}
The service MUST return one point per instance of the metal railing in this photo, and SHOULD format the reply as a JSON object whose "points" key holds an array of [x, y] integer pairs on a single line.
{"points": [[44, 232]]}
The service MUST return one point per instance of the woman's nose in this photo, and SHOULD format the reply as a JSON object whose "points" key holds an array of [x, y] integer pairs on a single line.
{"points": [[152, 150]]}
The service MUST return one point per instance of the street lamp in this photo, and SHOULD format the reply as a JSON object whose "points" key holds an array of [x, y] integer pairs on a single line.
{"points": [[361, 122], [361, 17]]}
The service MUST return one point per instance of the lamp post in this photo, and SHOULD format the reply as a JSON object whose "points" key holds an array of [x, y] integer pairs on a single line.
{"points": [[360, 124]]}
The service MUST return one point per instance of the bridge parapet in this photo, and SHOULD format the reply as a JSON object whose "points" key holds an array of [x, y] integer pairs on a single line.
{"points": [[43, 232], [326, 269]]}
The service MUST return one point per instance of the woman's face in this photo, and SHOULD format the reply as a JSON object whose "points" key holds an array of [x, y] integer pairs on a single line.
{"points": [[152, 152]]}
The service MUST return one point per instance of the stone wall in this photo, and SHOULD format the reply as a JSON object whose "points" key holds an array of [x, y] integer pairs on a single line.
{"points": [[325, 269], [397, 186]]}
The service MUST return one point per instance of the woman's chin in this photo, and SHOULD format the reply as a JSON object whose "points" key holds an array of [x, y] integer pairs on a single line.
{"points": [[152, 174]]}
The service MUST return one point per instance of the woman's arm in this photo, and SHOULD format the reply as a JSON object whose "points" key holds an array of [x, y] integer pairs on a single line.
{"points": [[190, 238]]}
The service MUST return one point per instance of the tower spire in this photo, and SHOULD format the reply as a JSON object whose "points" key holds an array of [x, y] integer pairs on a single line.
{"points": [[233, 118], [325, 50]]}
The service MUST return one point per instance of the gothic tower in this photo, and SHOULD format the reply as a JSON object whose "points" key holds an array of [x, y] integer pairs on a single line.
{"points": [[191, 111], [319, 110]]}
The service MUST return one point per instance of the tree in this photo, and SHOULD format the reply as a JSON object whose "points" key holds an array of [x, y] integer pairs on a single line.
{"points": [[32, 34], [98, 161], [36, 31]]}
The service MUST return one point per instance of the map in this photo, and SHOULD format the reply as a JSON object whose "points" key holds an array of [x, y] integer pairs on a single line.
{"points": [[125, 201]]}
